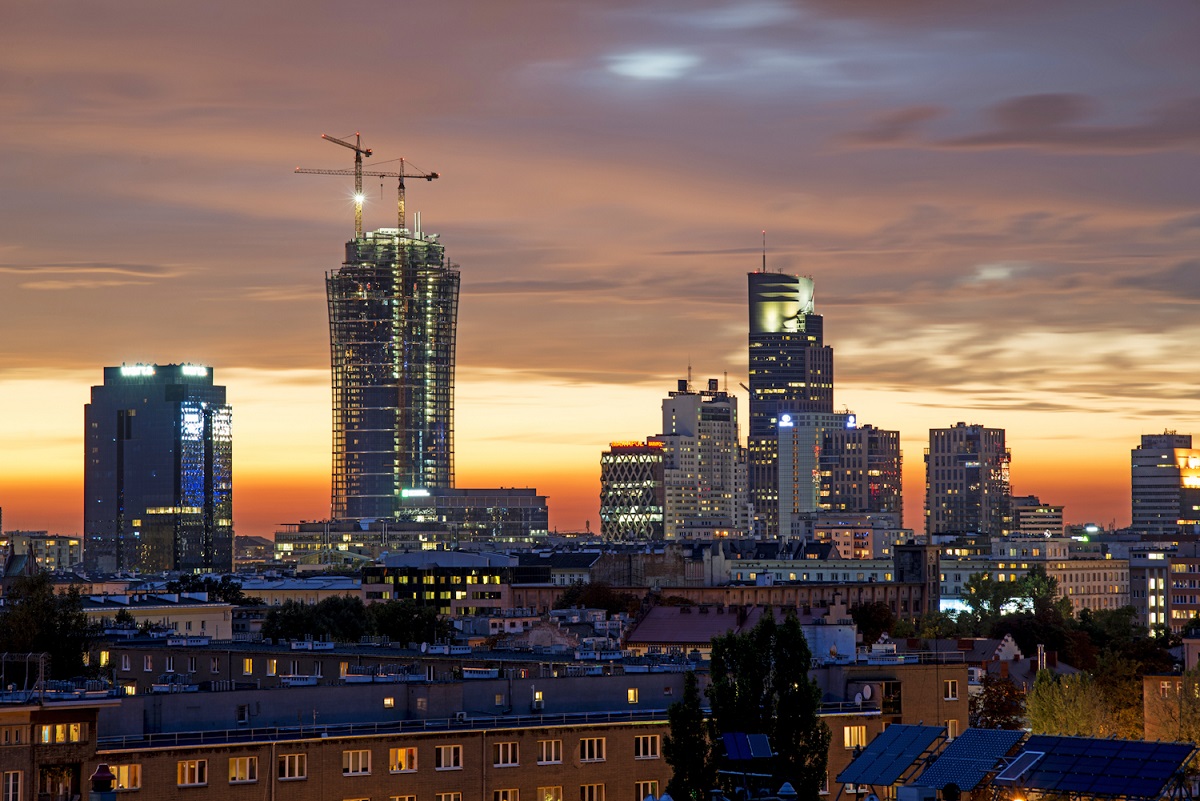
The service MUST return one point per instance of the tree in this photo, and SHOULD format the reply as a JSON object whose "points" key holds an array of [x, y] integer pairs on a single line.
{"points": [[985, 597], [36, 619], [760, 684], [227, 589], [597, 595], [1072, 706], [873, 620], [405, 621], [1000, 705], [1036, 591], [686, 749], [339, 618]]}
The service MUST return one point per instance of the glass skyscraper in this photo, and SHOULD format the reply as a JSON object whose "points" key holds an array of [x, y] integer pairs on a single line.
{"points": [[791, 372], [393, 308], [158, 473]]}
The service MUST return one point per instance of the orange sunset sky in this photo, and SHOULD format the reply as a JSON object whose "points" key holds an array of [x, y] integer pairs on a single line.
{"points": [[999, 204]]}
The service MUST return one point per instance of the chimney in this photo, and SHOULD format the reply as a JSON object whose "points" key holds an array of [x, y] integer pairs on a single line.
{"points": [[1004, 670], [1052, 659], [1041, 657]]}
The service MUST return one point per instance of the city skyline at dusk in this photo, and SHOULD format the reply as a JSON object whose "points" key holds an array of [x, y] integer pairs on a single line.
{"points": [[998, 205]]}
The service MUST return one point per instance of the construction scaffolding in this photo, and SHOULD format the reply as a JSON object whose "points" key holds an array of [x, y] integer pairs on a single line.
{"points": [[393, 313]]}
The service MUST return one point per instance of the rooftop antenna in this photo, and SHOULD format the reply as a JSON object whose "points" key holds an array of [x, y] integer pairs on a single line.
{"points": [[689, 384], [764, 269]]}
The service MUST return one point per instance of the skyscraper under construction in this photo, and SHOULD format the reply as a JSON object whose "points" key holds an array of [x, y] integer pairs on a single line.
{"points": [[393, 308]]}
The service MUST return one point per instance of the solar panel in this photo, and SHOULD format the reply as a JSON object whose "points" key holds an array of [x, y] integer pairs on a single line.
{"points": [[737, 747], [760, 746], [1018, 766], [890, 755], [1100, 767], [969, 758]]}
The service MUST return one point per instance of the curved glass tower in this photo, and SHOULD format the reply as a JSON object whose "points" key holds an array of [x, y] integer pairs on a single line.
{"points": [[393, 309]]}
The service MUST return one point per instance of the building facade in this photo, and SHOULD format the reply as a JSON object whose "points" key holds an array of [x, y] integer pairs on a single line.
{"points": [[1032, 518], [966, 481], [158, 471], [393, 309], [861, 471], [1165, 484], [632, 494], [790, 371], [799, 443]]}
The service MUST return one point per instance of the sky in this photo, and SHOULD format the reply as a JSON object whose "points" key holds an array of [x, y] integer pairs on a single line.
{"points": [[998, 202]]}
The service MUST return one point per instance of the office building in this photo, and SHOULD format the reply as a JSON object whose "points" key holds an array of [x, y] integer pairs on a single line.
{"points": [[631, 491], [158, 471], [495, 515], [966, 481], [704, 472], [800, 438], [790, 371], [1165, 484], [1032, 518], [393, 307], [861, 471], [49, 551]]}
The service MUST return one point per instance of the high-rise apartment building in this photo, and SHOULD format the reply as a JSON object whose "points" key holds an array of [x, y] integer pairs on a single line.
{"points": [[861, 471], [158, 471], [790, 371], [1165, 484], [393, 308], [631, 491], [966, 481], [704, 473]]}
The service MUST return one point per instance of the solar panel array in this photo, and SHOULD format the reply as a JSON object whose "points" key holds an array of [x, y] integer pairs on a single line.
{"points": [[1131, 768], [889, 755], [969, 758], [740, 746]]}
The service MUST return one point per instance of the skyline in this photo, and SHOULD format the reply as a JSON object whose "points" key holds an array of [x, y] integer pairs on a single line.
{"points": [[1012, 188]]}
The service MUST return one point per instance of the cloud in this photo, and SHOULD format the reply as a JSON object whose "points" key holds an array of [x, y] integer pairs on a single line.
{"points": [[94, 275], [895, 127], [653, 65]]}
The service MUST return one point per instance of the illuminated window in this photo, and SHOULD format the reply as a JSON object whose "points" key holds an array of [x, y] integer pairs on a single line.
{"points": [[506, 795], [247, 666], [191, 772], [389, 702], [356, 763], [129, 777], [632, 695], [549, 794], [951, 729], [243, 770], [854, 736], [402, 760]]}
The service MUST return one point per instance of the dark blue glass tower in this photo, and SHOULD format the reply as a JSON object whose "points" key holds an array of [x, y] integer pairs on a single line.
{"points": [[158, 474]]}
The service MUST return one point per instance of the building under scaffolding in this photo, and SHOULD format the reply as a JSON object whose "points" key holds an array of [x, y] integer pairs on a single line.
{"points": [[393, 309]]}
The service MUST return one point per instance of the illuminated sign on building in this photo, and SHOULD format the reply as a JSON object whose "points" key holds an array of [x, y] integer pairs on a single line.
{"points": [[414, 493], [194, 370], [131, 370], [785, 421]]}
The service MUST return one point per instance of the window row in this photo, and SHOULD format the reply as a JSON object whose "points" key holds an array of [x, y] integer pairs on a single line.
{"points": [[357, 762]]}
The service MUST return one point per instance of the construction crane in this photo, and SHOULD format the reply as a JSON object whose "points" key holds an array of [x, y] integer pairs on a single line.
{"points": [[359, 152], [358, 173]]}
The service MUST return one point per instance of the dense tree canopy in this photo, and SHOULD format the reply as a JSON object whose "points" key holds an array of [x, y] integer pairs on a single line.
{"points": [[597, 595], [760, 684], [686, 749], [36, 619], [349, 619]]}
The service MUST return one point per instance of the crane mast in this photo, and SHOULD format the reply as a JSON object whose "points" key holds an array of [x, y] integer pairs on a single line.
{"points": [[359, 152], [359, 173]]}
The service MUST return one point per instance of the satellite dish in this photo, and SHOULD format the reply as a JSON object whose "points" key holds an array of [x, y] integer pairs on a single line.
{"points": [[858, 698], [867, 692], [872, 797], [424, 647]]}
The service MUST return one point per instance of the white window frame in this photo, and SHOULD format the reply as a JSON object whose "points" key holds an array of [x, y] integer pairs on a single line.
{"points": [[549, 752], [506, 754], [592, 749], [11, 785], [553, 793], [645, 788], [356, 762], [645, 746], [243, 770], [402, 760], [512, 794], [950, 690], [447, 757], [291, 767]]}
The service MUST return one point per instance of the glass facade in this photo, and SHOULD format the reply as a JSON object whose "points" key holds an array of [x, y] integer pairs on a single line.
{"points": [[393, 309], [791, 370], [158, 478]]}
